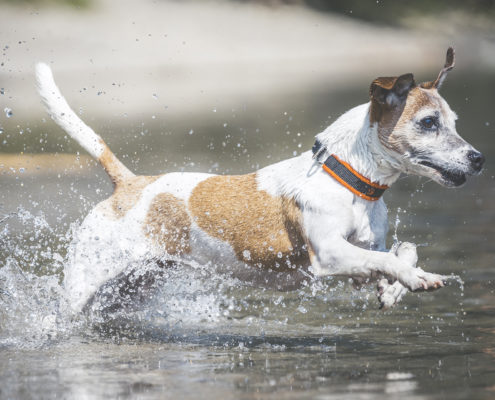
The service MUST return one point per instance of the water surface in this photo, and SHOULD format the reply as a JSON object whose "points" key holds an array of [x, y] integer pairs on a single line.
{"points": [[210, 336]]}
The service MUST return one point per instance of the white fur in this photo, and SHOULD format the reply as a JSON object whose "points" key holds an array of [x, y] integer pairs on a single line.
{"points": [[347, 233], [63, 115], [104, 246]]}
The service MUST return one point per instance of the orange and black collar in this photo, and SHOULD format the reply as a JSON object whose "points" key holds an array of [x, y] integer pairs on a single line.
{"points": [[348, 177]]}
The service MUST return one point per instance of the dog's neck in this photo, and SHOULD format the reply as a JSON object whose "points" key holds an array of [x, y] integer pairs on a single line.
{"points": [[354, 141], [350, 138]]}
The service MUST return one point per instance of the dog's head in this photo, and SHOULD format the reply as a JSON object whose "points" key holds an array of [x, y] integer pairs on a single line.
{"points": [[416, 127]]}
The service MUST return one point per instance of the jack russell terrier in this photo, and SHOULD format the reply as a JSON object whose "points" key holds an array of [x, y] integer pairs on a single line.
{"points": [[318, 214]]}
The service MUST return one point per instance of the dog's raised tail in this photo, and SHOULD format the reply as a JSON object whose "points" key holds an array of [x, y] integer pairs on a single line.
{"points": [[68, 120]]}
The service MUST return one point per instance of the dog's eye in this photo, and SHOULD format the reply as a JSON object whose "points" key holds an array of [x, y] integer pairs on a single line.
{"points": [[429, 123]]}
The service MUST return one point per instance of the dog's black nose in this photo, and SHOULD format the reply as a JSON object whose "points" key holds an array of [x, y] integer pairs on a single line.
{"points": [[477, 159]]}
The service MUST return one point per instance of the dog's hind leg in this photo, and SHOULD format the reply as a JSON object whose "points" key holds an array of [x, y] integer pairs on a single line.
{"points": [[129, 290]]}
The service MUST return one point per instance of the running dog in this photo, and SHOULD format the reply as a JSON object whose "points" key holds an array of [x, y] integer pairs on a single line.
{"points": [[318, 214]]}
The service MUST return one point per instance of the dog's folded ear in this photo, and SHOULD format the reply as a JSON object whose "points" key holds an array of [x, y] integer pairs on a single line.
{"points": [[391, 90], [449, 64]]}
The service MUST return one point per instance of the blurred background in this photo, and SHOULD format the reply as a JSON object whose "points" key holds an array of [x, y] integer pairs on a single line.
{"points": [[212, 84]]}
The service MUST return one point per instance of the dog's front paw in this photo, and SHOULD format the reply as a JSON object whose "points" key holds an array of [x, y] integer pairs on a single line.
{"points": [[415, 279], [390, 294]]}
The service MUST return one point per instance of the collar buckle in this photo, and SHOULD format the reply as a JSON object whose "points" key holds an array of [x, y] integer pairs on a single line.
{"points": [[318, 149]]}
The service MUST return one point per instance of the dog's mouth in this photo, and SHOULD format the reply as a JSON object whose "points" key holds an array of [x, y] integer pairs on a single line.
{"points": [[450, 178]]}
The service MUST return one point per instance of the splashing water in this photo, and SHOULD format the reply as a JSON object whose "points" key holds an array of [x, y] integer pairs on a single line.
{"points": [[396, 227], [8, 112], [459, 280], [156, 299], [179, 301], [33, 309]]}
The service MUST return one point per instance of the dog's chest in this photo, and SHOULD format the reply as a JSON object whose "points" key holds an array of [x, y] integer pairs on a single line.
{"points": [[369, 225]]}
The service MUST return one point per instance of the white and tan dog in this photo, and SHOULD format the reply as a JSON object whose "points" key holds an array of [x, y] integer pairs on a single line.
{"points": [[310, 216]]}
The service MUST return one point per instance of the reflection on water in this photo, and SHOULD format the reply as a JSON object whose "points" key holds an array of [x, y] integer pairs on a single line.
{"points": [[206, 333]]}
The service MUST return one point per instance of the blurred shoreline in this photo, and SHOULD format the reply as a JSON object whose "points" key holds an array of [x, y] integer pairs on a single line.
{"points": [[120, 59], [13, 165]]}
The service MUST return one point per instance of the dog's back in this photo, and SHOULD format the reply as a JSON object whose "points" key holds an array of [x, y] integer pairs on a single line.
{"points": [[225, 220]]}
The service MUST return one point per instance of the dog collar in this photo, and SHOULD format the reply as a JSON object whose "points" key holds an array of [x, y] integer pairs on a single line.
{"points": [[343, 173]]}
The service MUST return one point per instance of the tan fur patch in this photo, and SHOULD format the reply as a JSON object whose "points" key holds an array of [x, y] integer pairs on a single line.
{"points": [[417, 99], [428, 85], [392, 118], [117, 171], [168, 224], [128, 192], [263, 230]]}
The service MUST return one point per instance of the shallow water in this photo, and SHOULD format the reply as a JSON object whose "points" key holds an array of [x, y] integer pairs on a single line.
{"points": [[210, 336]]}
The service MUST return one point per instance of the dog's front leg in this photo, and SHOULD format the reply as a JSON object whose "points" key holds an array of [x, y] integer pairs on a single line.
{"points": [[390, 294], [336, 256]]}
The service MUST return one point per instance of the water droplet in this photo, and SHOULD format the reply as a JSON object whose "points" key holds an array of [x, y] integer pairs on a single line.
{"points": [[8, 112], [246, 254], [191, 131], [302, 310], [279, 254]]}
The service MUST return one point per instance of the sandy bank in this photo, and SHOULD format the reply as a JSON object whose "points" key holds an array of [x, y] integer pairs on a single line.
{"points": [[126, 57]]}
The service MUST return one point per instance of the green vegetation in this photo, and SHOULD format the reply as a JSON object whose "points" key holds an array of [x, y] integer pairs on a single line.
{"points": [[72, 3], [380, 11], [392, 11]]}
